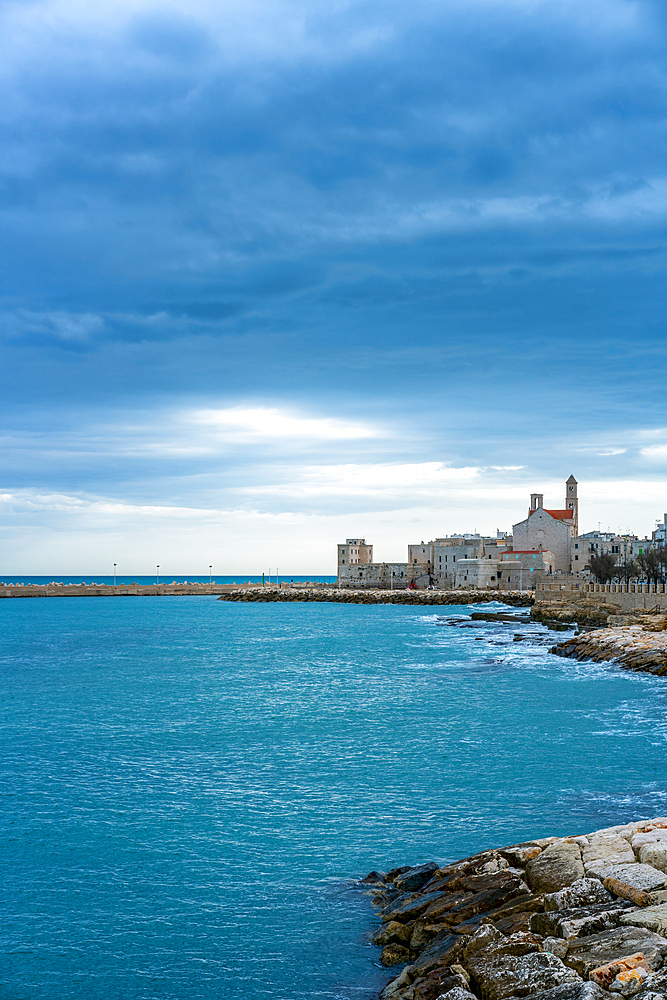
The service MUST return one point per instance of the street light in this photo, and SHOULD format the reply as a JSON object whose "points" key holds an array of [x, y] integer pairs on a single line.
{"points": [[277, 583], [114, 574], [157, 574], [210, 574]]}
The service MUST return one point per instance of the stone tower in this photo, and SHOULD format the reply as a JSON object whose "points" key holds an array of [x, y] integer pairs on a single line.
{"points": [[572, 501]]}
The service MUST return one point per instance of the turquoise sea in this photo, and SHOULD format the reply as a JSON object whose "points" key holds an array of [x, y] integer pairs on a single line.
{"points": [[191, 787]]}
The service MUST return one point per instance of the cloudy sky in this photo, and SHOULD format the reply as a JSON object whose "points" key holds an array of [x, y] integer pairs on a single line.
{"points": [[275, 272]]}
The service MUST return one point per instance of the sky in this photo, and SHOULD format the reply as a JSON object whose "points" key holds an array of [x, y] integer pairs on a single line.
{"points": [[280, 272]]}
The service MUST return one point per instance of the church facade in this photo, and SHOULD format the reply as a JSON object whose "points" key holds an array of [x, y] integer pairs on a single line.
{"points": [[551, 530]]}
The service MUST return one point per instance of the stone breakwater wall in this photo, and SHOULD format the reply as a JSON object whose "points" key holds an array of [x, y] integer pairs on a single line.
{"points": [[640, 647], [573, 918], [425, 597]]}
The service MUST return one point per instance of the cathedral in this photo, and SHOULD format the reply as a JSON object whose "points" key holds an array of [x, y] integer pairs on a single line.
{"points": [[550, 530]]}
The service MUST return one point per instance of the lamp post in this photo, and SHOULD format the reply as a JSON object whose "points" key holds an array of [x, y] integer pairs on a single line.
{"points": [[114, 574], [157, 574], [210, 574], [277, 582]]}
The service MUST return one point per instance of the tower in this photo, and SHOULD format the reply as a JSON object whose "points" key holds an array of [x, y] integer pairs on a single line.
{"points": [[536, 501], [572, 501]]}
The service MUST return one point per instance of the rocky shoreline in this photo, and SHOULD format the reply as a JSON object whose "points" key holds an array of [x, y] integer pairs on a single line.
{"points": [[641, 647], [573, 918], [521, 599]]}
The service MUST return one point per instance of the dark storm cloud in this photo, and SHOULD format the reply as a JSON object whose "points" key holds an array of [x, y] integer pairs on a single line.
{"points": [[446, 211]]}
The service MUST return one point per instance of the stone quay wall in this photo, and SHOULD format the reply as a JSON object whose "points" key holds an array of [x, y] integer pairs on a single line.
{"points": [[120, 590], [567, 918], [622, 597]]}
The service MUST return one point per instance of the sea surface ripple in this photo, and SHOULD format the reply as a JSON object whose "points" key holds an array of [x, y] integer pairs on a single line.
{"points": [[191, 787]]}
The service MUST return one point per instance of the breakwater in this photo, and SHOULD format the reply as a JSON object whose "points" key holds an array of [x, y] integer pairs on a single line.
{"points": [[573, 918], [425, 597]]}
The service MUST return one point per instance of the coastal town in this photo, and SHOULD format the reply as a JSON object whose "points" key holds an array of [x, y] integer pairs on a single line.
{"points": [[545, 546]]}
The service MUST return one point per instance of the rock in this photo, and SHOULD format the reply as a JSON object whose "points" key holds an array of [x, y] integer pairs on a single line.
{"points": [[582, 892], [392, 933], [415, 878], [648, 837], [373, 878], [606, 974], [588, 953], [412, 907], [654, 855], [572, 991], [520, 975], [485, 902], [608, 847], [458, 993], [422, 934], [520, 854], [444, 950], [446, 902], [513, 923], [527, 902], [555, 946], [627, 983], [397, 985], [559, 865], [482, 939], [435, 984], [637, 896], [579, 922], [652, 917], [637, 876], [395, 872], [653, 987], [394, 954]]}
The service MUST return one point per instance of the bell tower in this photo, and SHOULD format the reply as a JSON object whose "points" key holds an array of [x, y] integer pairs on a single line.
{"points": [[572, 501]]}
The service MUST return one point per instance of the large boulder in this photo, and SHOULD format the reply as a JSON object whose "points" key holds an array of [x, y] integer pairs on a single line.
{"points": [[444, 950], [503, 976], [583, 892], [394, 954], [652, 917], [580, 921], [588, 953], [654, 855], [556, 867], [458, 993], [404, 910], [572, 991], [638, 876], [654, 987], [415, 878], [608, 847], [392, 932]]}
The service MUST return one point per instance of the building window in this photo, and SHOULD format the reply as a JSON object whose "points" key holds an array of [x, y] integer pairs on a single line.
{"points": [[576, 558]]}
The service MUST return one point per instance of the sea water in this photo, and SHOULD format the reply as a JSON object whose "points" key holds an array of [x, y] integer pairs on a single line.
{"points": [[190, 787]]}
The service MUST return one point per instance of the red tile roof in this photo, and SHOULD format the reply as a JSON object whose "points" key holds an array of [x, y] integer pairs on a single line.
{"points": [[560, 515]]}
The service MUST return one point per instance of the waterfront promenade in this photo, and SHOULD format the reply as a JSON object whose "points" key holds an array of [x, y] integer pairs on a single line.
{"points": [[123, 590]]}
